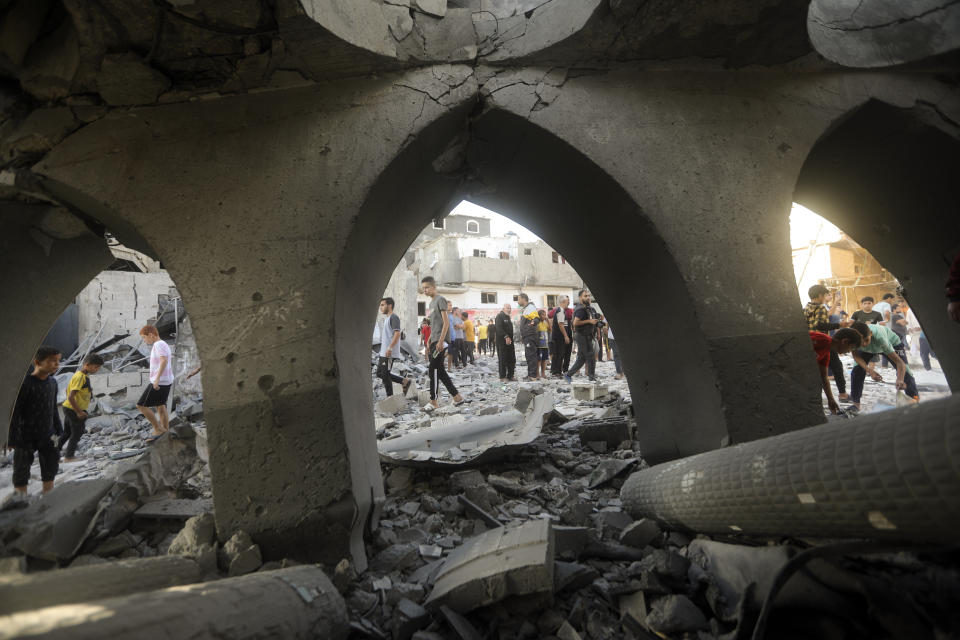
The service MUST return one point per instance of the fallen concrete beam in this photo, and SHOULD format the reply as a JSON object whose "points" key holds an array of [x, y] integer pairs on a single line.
{"points": [[513, 561], [299, 602], [476, 441], [887, 476], [94, 582]]}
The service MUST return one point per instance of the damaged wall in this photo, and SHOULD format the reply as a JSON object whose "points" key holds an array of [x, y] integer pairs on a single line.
{"points": [[267, 206], [121, 302]]}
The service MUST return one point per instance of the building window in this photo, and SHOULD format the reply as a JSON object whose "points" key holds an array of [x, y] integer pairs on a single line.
{"points": [[516, 298], [479, 253], [551, 301], [488, 297], [421, 308], [528, 252], [504, 255], [473, 226], [440, 223], [556, 257]]}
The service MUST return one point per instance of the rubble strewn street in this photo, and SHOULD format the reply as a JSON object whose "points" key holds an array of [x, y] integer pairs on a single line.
{"points": [[502, 519]]}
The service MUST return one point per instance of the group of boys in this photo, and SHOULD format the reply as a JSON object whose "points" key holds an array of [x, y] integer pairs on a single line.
{"points": [[867, 334], [37, 430]]}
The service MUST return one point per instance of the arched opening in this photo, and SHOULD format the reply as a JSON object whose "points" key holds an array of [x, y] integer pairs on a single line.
{"points": [[887, 177], [81, 292], [527, 174], [860, 288]]}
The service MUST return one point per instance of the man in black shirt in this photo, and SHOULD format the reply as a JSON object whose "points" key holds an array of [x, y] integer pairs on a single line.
{"points": [[35, 426], [866, 314], [506, 356], [561, 339], [585, 319]]}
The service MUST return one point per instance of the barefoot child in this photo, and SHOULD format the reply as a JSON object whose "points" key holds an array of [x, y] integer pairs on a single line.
{"points": [[161, 379]]}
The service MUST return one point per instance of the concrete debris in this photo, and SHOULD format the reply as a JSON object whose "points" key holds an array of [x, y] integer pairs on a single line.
{"points": [[640, 533], [288, 603], [198, 532], [676, 614], [612, 431], [239, 556], [473, 440], [125, 79], [93, 582], [512, 561], [590, 391]]}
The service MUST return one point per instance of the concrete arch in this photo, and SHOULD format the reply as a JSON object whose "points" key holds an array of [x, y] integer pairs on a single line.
{"points": [[888, 177], [513, 166], [46, 257]]}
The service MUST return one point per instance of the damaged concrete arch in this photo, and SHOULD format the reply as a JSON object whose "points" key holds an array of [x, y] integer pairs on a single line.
{"points": [[887, 176], [502, 161]]}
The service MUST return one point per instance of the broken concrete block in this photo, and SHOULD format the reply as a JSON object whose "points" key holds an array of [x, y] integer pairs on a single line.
{"points": [[504, 562], [609, 469], [615, 521], [240, 555], [567, 632], [400, 479], [404, 591], [391, 404], [676, 614], [572, 576], [408, 618], [462, 480], [395, 558], [633, 612], [669, 566], [55, 527], [508, 486], [613, 431], [589, 391], [640, 533], [198, 531]]}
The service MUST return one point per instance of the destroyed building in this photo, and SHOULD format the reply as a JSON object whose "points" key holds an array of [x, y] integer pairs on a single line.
{"points": [[260, 150]]}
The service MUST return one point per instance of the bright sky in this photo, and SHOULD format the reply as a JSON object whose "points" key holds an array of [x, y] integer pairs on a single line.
{"points": [[499, 225], [806, 227]]}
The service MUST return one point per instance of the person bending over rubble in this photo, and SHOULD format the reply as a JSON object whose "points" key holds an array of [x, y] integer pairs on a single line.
{"points": [[876, 339], [161, 379], [826, 347], [440, 331], [79, 392], [390, 334], [35, 426]]}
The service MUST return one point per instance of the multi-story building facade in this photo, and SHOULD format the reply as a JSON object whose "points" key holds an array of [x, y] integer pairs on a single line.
{"points": [[477, 271]]}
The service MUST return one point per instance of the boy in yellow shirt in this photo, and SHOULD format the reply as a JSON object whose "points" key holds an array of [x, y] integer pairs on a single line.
{"points": [[79, 393]]}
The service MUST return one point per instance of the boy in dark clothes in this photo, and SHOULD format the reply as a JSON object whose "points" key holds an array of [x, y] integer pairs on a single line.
{"points": [[36, 426]]}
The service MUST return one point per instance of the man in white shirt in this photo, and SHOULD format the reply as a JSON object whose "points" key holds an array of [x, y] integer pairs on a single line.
{"points": [[161, 379]]}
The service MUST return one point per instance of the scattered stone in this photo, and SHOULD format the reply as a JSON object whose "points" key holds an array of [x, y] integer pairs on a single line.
{"points": [[567, 632], [391, 404], [676, 614], [198, 531], [240, 555], [463, 480], [640, 533], [572, 575], [409, 617], [511, 561], [343, 575], [609, 469], [395, 558], [508, 486], [400, 479], [669, 566], [615, 521]]}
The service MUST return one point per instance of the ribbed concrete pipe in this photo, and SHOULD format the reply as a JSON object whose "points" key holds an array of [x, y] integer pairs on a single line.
{"points": [[299, 602], [893, 476]]}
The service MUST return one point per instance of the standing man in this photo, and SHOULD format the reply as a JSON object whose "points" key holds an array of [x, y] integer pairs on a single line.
{"points": [[79, 393], [529, 319], [585, 321], [35, 426], [507, 356], [562, 337], [885, 308], [818, 319], [618, 365], [865, 313], [440, 328], [482, 336], [492, 337], [469, 339], [455, 337], [161, 379], [389, 339]]}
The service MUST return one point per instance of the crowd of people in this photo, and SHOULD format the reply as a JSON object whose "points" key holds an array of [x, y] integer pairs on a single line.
{"points": [[886, 329], [450, 339], [39, 428]]}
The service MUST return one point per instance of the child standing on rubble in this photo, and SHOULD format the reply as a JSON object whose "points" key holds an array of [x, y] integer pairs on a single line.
{"points": [[35, 426], [161, 379], [79, 393]]}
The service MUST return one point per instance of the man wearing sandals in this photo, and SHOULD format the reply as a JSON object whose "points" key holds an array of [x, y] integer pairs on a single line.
{"points": [[161, 379]]}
